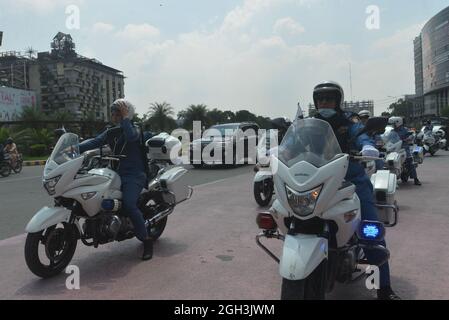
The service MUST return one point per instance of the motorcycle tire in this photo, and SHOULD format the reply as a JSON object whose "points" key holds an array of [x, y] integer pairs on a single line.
{"points": [[33, 240], [18, 168], [154, 231], [5, 170], [311, 288], [404, 177], [263, 193]]}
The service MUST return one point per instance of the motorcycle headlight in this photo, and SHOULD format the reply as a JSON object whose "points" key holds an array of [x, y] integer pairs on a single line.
{"points": [[304, 203], [50, 185]]}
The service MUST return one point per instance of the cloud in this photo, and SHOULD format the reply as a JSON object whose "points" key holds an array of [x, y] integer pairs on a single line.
{"points": [[42, 6], [288, 26], [403, 37], [101, 27], [136, 32], [232, 67]]}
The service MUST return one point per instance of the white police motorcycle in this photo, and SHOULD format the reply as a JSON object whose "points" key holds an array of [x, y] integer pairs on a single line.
{"points": [[317, 213], [88, 201]]}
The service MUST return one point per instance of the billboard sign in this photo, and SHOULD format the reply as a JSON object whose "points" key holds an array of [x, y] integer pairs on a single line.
{"points": [[12, 102]]}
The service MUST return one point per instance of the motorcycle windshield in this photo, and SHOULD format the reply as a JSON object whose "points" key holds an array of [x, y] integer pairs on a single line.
{"points": [[310, 140], [66, 149], [391, 137]]}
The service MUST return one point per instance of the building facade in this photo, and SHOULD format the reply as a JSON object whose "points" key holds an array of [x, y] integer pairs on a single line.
{"points": [[431, 50], [357, 106], [13, 101], [66, 81], [14, 70], [350, 106]]}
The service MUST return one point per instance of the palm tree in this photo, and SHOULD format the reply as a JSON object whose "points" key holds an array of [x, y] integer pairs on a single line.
{"points": [[216, 116], [160, 116], [62, 116], [196, 113], [31, 116], [31, 136], [4, 134]]}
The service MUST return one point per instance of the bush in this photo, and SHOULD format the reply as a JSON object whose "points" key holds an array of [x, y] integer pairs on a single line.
{"points": [[38, 150]]}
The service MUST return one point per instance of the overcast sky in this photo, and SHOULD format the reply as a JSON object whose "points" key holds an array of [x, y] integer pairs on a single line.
{"points": [[259, 55]]}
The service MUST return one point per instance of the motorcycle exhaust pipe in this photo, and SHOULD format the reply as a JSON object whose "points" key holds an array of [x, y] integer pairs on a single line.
{"points": [[160, 216]]}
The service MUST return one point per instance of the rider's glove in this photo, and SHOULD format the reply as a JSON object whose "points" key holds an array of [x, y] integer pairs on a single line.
{"points": [[370, 151]]}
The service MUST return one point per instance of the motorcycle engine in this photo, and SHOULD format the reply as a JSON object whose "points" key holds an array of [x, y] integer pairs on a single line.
{"points": [[111, 226], [103, 229]]}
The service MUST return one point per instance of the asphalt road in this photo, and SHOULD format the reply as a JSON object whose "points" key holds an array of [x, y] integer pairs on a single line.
{"points": [[22, 195], [208, 251]]}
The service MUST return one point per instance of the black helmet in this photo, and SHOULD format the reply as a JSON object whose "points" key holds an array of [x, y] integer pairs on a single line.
{"points": [[9, 141], [331, 87]]}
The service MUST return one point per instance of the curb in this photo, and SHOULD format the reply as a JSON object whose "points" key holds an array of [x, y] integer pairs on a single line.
{"points": [[34, 163]]}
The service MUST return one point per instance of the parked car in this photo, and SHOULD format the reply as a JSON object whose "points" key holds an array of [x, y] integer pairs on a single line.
{"points": [[229, 140]]}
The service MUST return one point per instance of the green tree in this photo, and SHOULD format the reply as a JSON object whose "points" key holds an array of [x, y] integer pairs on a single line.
{"points": [[216, 116], [244, 116], [160, 117], [195, 113], [4, 134], [229, 116], [31, 116], [401, 108], [27, 138], [263, 122]]}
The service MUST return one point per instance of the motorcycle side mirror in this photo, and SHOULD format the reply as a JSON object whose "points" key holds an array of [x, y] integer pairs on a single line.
{"points": [[374, 125]]}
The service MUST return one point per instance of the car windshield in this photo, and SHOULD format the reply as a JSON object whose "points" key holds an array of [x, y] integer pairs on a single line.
{"points": [[223, 130], [309, 140], [66, 149]]}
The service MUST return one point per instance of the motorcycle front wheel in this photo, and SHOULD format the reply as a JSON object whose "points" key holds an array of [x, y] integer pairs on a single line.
{"points": [[18, 168], [311, 288], [49, 252]]}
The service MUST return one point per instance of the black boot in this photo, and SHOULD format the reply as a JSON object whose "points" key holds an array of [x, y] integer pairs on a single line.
{"points": [[147, 249], [387, 294], [417, 182]]}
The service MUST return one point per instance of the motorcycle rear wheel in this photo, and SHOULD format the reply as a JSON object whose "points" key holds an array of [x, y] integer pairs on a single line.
{"points": [[154, 231], [60, 245], [311, 288], [5, 170], [263, 192]]}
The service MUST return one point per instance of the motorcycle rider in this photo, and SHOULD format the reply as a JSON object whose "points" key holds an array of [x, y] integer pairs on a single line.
{"points": [[329, 98], [364, 115], [125, 139], [404, 134], [11, 149], [429, 126]]}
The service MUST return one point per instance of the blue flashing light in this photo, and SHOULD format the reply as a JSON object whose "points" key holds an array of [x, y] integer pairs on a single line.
{"points": [[107, 205], [371, 231]]}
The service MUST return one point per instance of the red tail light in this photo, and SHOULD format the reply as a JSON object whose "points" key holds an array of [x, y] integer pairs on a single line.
{"points": [[266, 221]]}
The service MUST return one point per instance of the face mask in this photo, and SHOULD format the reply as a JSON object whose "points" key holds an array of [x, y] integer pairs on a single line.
{"points": [[327, 113]]}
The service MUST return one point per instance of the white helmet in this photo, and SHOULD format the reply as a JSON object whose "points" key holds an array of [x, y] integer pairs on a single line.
{"points": [[396, 121], [119, 102], [365, 113]]}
